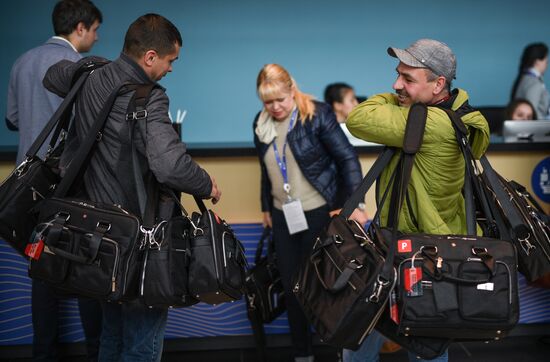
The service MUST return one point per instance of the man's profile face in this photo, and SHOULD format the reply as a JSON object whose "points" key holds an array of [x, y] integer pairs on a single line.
{"points": [[163, 64], [89, 37], [412, 85]]}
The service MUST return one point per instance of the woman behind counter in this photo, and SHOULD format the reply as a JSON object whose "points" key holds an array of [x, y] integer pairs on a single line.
{"points": [[308, 168]]}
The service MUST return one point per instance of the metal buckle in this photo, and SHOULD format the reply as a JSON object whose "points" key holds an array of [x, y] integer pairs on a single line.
{"points": [[137, 115], [107, 225]]}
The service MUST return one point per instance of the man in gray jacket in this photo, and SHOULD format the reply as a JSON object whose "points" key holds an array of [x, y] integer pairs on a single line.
{"points": [[131, 331]]}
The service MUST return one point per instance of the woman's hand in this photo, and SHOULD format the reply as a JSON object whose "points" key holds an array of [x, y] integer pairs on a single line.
{"points": [[360, 216], [267, 219]]}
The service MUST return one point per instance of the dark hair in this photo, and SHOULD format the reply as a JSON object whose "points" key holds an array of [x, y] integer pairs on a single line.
{"points": [[531, 53], [335, 92], [151, 31], [68, 13], [514, 104]]}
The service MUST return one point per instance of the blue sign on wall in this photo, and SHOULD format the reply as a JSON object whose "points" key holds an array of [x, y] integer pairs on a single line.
{"points": [[540, 180]]}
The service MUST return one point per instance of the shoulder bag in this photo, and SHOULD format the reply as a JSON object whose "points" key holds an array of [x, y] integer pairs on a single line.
{"points": [[36, 179]]}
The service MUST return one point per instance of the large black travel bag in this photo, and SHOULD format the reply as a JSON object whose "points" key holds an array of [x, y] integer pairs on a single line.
{"points": [[217, 266], [164, 280], [35, 179], [88, 249], [263, 285]]}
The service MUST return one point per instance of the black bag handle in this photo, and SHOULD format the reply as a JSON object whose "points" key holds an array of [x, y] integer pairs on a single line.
{"points": [[358, 195], [63, 112], [266, 235]]}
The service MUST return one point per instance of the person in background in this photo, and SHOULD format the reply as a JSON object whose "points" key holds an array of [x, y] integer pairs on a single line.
{"points": [[131, 330], [341, 97], [303, 154], [424, 74], [520, 109], [529, 84], [29, 107]]}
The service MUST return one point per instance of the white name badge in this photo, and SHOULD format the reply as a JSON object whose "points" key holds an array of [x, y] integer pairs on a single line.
{"points": [[294, 216]]}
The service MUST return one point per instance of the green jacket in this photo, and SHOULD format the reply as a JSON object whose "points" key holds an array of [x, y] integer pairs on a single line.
{"points": [[438, 173]]}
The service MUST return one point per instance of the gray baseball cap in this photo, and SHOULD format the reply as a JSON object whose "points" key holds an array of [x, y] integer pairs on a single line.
{"points": [[428, 53]]}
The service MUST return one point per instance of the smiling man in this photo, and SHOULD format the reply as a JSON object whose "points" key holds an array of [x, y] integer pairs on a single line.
{"points": [[132, 331], [435, 202]]}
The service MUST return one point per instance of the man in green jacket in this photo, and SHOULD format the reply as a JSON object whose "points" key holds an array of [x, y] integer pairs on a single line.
{"points": [[436, 205]]}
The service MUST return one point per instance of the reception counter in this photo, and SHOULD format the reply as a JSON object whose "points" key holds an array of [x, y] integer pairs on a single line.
{"points": [[237, 173]]}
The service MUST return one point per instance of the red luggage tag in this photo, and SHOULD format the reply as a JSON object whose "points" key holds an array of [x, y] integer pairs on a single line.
{"points": [[34, 250], [413, 278], [394, 311]]}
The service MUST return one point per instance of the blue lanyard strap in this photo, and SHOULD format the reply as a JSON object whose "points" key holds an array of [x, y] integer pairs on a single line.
{"points": [[281, 162]]}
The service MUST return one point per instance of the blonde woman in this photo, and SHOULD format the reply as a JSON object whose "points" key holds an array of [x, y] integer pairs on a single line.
{"points": [[308, 168]]}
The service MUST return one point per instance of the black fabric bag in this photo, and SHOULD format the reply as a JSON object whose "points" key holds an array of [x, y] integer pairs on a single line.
{"points": [[467, 285], [165, 267], [35, 179], [521, 220], [345, 284], [265, 298], [263, 285], [217, 265], [89, 248]]}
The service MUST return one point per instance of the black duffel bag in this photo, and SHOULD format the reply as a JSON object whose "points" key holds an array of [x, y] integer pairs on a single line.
{"points": [[167, 252], [217, 266], [89, 249], [521, 220], [263, 285], [36, 179], [456, 286]]}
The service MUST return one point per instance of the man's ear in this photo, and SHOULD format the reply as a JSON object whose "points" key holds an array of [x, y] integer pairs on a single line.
{"points": [[149, 57], [440, 85], [80, 27]]}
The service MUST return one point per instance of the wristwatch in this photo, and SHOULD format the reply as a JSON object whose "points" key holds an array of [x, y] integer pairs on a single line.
{"points": [[361, 206]]}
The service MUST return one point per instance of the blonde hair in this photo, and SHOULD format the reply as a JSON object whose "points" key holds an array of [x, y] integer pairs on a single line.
{"points": [[274, 80]]}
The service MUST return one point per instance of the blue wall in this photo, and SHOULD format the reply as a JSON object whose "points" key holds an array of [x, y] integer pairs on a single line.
{"points": [[321, 41]]}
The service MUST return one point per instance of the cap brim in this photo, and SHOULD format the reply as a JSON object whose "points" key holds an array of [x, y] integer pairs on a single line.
{"points": [[405, 57]]}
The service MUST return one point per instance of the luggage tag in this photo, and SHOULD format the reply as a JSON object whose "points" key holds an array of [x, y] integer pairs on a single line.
{"points": [[394, 310], [294, 216], [413, 279], [34, 249]]}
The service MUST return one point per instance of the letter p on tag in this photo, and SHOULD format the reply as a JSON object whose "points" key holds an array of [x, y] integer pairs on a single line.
{"points": [[404, 246]]}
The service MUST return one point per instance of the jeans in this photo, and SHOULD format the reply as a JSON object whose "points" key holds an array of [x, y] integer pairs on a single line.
{"points": [[291, 251], [369, 351], [132, 332], [44, 307]]}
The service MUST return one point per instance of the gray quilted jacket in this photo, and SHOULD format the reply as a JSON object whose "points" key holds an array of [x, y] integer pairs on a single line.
{"points": [[159, 148]]}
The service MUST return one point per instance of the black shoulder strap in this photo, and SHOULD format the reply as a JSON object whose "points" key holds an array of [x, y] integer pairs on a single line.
{"points": [[63, 112], [414, 135], [137, 111], [94, 135]]}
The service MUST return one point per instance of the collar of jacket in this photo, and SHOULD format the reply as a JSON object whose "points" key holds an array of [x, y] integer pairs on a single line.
{"points": [[136, 70]]}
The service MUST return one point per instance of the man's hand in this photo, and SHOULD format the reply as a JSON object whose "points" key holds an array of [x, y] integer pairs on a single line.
{"points": [[267, 219], [216, 193]]}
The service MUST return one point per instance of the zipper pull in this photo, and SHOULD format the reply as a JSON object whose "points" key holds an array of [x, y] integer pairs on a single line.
{"points": [[113, 284]]}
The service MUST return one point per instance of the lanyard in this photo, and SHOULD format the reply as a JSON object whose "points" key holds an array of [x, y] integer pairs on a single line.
{"points": [[282, 161]]}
